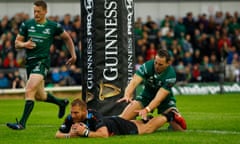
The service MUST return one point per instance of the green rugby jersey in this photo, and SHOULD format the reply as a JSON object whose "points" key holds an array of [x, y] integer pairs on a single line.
{"points": [[42, 35], [153, 81]]}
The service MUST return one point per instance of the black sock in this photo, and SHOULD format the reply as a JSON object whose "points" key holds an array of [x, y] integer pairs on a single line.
{"points": [[29, 104], [53, 99], [169, 116]]}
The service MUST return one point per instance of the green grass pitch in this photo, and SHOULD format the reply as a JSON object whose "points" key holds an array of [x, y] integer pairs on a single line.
{"points": [[211, 119]]}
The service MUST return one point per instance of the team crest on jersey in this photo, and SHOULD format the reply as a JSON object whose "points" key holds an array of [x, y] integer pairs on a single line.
{"points": [[46, 31]]}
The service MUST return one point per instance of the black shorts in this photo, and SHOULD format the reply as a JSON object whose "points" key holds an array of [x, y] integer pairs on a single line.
{"points": [[120, 126]]}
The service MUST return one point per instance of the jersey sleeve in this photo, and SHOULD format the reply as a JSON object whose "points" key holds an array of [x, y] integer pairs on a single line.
{"points": [[66, 126], [169, 81], [23, 29], [59, 29], [145, 69]]}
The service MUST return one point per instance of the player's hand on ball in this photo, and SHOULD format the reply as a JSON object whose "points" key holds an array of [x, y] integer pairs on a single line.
{"points": [[73, 130], [83, 125], [78, 128]]}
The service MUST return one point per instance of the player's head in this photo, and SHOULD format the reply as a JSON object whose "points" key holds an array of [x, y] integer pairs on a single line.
{"points": [[40, 11], [162, 60], [78, 110]]}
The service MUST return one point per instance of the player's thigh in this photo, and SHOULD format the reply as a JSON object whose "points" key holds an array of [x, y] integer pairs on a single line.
{"points": [[41, 94], [33, 84], [130, 111]]}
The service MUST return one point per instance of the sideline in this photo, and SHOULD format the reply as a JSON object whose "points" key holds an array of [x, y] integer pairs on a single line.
{"points": [[67, 91], [215, 131], [197, 131], [48, 89]]}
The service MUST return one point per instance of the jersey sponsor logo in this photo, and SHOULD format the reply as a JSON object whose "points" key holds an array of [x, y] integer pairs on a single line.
{"points": [[40, 25], [171, 80], [32, 29], [139, 97]]}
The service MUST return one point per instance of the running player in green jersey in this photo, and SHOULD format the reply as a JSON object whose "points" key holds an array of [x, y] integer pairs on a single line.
{"points": [[158, 77], [36, 36]]}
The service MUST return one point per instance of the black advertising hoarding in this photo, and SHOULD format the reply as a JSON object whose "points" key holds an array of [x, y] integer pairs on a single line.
{"points": [[108, 52]]}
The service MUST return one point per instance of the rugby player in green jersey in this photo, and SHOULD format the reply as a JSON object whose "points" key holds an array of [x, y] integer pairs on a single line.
{"points": [[36, 36], [158, 77]]}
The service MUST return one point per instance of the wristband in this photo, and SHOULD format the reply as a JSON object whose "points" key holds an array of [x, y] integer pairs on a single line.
{"points": [[67, 136], [148, 109], [86, 133]]}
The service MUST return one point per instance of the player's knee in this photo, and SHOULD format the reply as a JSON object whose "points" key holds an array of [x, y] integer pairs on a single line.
{"points": [[40, 97]]}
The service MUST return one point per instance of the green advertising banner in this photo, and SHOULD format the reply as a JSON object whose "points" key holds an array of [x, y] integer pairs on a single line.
{"points": [[203, 88]]}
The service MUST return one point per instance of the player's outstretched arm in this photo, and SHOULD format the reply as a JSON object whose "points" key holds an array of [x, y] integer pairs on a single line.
{"points": [[69, 43], [130, 89]]}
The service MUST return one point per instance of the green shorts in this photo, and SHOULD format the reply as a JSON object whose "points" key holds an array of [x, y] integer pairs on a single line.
{"points": [[146, 97], [37, 66]]}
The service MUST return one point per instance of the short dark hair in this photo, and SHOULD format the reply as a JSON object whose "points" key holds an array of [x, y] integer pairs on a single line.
{"points": [[164, 53], [78, 102], [41, 3]]}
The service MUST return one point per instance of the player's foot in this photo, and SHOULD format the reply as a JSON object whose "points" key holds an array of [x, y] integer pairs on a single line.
{"points": [[15, 126], [62, 108], [180, 120]]}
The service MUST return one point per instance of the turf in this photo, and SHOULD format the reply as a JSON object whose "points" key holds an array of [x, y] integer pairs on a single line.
{"points": [[211, 119]]}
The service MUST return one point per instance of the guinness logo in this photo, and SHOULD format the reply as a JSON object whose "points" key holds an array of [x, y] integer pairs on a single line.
{"points": [[105, 91]]}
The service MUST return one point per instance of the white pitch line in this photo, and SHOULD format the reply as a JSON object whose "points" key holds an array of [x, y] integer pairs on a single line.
{"points": [[198, 131], [215, 131], [36, 125]]}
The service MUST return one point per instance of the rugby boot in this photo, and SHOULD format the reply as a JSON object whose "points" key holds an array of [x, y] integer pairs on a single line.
{"points": [[16, 126], [179, 120], [62, 108]]}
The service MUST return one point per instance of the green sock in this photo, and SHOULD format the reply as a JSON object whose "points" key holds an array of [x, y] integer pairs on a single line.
{"points": [[53, 99], [29, 104]]}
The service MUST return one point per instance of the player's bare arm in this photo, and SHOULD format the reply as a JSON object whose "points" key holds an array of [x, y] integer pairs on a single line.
{"points": [[80, 131], [128, 94], [160, 96], [102, 132], [20, 43], [69, 43]]}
